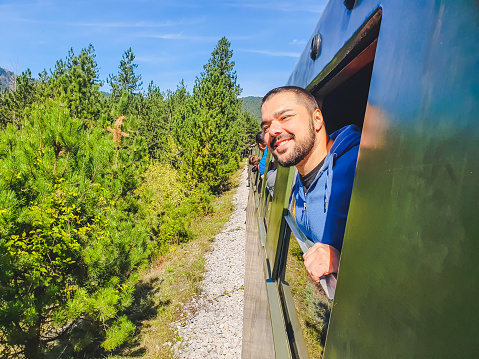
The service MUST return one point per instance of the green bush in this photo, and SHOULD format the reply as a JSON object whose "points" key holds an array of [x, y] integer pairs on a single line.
{"points": [[70, 243], [169, 204]]}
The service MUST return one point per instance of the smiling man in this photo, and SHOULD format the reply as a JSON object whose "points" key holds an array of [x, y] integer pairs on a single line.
{"points": [[295, 134]]}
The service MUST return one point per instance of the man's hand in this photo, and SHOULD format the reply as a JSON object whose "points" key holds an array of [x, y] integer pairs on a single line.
{"points": [[321, 259]]}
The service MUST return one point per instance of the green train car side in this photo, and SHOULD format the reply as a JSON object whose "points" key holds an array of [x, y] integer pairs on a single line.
{"points": [[407, 73]]}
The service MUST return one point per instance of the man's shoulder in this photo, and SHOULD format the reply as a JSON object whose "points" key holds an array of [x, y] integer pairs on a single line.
{"points": [[346, 146], [265, 153], [349, 155], [345, 139], [347, 131]]}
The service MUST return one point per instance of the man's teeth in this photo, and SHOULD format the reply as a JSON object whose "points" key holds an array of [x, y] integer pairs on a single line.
{"points": [[282, 141]]}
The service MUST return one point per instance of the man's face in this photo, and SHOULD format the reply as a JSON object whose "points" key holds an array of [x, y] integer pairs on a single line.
{"points": [[288, 128]]}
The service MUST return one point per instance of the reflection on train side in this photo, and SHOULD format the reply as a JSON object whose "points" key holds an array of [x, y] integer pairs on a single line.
{"points": [[310, 301]]}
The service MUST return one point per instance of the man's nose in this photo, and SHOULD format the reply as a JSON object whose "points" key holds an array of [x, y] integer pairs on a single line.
{"points": [[274, 128]]}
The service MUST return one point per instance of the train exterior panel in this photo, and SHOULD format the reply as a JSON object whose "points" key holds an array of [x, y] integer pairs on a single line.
{"points": [[407, 72]]}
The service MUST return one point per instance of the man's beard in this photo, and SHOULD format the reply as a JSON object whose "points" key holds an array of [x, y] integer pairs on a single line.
{"points": [[301, 147]]}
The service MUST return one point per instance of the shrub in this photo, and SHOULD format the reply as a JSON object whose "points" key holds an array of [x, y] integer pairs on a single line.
{"points": [[70, 246]]}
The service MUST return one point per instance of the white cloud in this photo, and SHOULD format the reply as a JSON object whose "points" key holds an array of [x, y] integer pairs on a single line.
{"points": [[305, 6], [296, 42], [151, 59], [273, 53], [165, 36], [120, 24], [198, 38]]}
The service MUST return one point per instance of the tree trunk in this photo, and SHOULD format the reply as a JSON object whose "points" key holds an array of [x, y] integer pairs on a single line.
{"points": [[33, 342], [32, 346]]}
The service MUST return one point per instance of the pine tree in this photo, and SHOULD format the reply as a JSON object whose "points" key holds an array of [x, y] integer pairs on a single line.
{"points": [[125, 96], [13, 103], [126, 79], [208, 125], [246, 128], [154, 123], [77, 78]]}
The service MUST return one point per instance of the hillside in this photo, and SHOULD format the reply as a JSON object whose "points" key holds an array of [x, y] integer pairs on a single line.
{"points": [[6, 78], [252, 105]]}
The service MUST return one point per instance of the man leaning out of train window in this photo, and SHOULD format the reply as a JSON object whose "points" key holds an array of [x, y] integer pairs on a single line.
{"points": [[260, 141], [295, 134]]}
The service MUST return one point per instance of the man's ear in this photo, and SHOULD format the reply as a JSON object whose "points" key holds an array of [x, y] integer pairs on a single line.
{"points": [[318, 120]]}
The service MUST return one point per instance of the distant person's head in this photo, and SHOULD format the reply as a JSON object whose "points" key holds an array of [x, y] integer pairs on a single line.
{"points": [[293, 126], [254, 160], [260, 140]]}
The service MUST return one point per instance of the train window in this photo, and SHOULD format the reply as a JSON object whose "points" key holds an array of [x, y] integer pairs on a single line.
{"points": [[342, 94], [343, 91], [346, 104]]}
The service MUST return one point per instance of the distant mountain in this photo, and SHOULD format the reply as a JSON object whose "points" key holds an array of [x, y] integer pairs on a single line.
{"points": [[7, 79], [252, 105]]}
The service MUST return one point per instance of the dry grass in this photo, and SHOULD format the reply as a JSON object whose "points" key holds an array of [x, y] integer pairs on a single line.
{"points": [[312, 306], [171, 282]]}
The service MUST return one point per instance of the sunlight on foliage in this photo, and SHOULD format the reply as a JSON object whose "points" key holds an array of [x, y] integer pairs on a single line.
{"points": [[94, 187], [118, 333]]}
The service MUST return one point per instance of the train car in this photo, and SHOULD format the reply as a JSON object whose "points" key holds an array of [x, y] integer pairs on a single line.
{"points": [[405, 72]]}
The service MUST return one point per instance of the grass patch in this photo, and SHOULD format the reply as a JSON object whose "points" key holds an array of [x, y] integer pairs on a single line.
{"points": [[312, 305], [171, 281]]}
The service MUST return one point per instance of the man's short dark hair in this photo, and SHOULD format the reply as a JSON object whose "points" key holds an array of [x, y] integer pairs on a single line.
{"points": [[260, 138], [304, 95]]}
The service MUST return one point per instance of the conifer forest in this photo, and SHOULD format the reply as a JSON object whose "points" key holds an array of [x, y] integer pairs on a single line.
{"points": [[95, 185]]}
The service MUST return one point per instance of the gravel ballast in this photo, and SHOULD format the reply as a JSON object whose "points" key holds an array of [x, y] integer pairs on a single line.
{"points": [[213, 322]]}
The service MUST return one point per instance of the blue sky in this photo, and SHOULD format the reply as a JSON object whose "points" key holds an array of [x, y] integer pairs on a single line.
{"points": [[171, 40]]}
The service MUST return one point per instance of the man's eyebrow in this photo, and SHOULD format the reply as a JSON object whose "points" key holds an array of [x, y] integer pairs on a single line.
{"points": [[277, 114], [280, 112]]}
